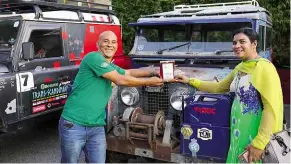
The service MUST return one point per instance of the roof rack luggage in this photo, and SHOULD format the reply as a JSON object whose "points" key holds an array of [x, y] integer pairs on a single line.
{"points": [[40, 6], [52, 5], [208, 6]]}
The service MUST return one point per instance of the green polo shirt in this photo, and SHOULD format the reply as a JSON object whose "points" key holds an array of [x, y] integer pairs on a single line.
{"points": [[91, 92]]}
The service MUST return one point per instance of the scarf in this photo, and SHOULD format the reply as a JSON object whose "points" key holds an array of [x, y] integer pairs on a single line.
{"points": [[265, 79]]}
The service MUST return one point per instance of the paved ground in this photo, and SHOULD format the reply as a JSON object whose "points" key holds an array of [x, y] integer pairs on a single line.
{"points": [[40, 144], [37, 144]]}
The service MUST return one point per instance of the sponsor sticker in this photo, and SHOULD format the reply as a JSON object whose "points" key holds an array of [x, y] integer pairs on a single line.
{"points": [[39, 108], [204, 134], [49, 105], [11, 107], [204, 110], [140, 47], [194, 147], [186, 131], [24, 81], [55, 103], [48, 94]]}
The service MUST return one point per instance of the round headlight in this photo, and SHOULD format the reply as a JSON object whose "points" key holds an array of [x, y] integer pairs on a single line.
{"points": [[129, 96], [176, 99]]}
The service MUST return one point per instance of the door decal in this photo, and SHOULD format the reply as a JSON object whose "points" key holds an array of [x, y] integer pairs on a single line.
{"points": [[11, 107], [24, 81], [47, 96]]}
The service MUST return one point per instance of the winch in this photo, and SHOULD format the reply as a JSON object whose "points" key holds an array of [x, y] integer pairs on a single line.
{"points": [[140, 126]]}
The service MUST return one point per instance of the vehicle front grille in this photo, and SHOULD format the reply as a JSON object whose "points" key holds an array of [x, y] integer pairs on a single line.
{"points": [[155, 99], [158, 98]]}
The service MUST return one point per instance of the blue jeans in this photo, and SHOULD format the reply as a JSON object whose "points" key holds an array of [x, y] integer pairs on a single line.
{"points": [[74, 138]]}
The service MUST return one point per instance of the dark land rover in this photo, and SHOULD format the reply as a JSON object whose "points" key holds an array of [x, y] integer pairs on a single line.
{"points": [[41, 46]]}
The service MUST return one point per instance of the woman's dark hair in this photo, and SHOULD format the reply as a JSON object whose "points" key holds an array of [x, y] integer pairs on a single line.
{"points": [[252, 34]]}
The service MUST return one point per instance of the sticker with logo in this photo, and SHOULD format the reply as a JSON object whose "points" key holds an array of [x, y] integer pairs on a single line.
{"points": [[24, 81], [38, 108], [204, 134], [194, 147], [186, 131], [204, 110], [11, 107], [49, 105], [48, 95], [140, 47], [104, 65]]}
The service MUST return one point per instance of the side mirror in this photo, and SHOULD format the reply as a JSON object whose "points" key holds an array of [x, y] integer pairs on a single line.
{"points": [[28, 50]]}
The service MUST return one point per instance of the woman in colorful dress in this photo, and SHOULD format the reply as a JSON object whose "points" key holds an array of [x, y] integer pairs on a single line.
{"points": [[257, 109]]}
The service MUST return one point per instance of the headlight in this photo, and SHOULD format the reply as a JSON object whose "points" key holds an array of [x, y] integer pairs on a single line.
{"points": [[176, 99], [129, 96]]}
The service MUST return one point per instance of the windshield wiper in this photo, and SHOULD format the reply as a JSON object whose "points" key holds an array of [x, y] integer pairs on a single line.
{"points": [[218, 52], [171, 48]]}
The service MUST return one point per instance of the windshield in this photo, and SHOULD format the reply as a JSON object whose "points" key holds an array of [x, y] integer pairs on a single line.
{"points": [[181, 39], [8, 33]]}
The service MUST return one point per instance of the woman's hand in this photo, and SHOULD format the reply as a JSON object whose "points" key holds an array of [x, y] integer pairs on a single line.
{"points": [[254, 154], [182, 78]]}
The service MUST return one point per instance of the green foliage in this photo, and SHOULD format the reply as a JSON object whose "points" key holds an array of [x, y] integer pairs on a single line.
{"points": [[280, 11], [129, 11]]}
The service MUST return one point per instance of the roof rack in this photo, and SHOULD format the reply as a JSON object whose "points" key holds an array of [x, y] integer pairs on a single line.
{"points": [[207, 6], [52, 5]]}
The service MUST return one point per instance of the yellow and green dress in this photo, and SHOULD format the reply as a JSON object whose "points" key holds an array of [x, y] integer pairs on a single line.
{"points": [[257, 109]]}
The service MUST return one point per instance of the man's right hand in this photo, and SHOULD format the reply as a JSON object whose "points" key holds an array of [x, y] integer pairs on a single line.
{"points": [[155, 81]]}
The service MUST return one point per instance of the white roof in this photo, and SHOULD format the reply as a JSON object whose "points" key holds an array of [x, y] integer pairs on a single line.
{"points": [[67, 16]]}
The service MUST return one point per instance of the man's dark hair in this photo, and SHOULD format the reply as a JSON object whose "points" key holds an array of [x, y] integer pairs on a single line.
{"points": [[252, 34]]}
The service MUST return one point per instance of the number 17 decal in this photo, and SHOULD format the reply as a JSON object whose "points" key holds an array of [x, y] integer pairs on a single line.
{"points": [[24, 81]]}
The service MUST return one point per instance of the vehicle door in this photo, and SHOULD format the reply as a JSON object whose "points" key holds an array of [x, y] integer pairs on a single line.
{"points": [[10, 28], [41, 82]]}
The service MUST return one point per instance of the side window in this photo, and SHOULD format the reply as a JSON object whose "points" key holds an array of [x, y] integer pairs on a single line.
{"points": [[268, 38], [47, 43], [261, 43]]}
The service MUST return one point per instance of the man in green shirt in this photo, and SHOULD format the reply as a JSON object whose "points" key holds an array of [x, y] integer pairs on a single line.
{"points": [[81, 126]]}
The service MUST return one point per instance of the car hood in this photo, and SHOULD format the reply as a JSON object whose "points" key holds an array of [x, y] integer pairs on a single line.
{"points": [[202, 73]]}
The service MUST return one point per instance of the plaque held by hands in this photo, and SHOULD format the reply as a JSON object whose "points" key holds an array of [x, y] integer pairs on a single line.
{"points": [[167, 70]]}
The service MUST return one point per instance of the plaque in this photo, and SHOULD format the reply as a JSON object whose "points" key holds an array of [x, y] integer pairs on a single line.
{"points": [[167, 70]]}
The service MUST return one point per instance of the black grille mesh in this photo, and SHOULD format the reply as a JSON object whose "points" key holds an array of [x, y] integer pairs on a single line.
{"points": [[153, 101]]}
